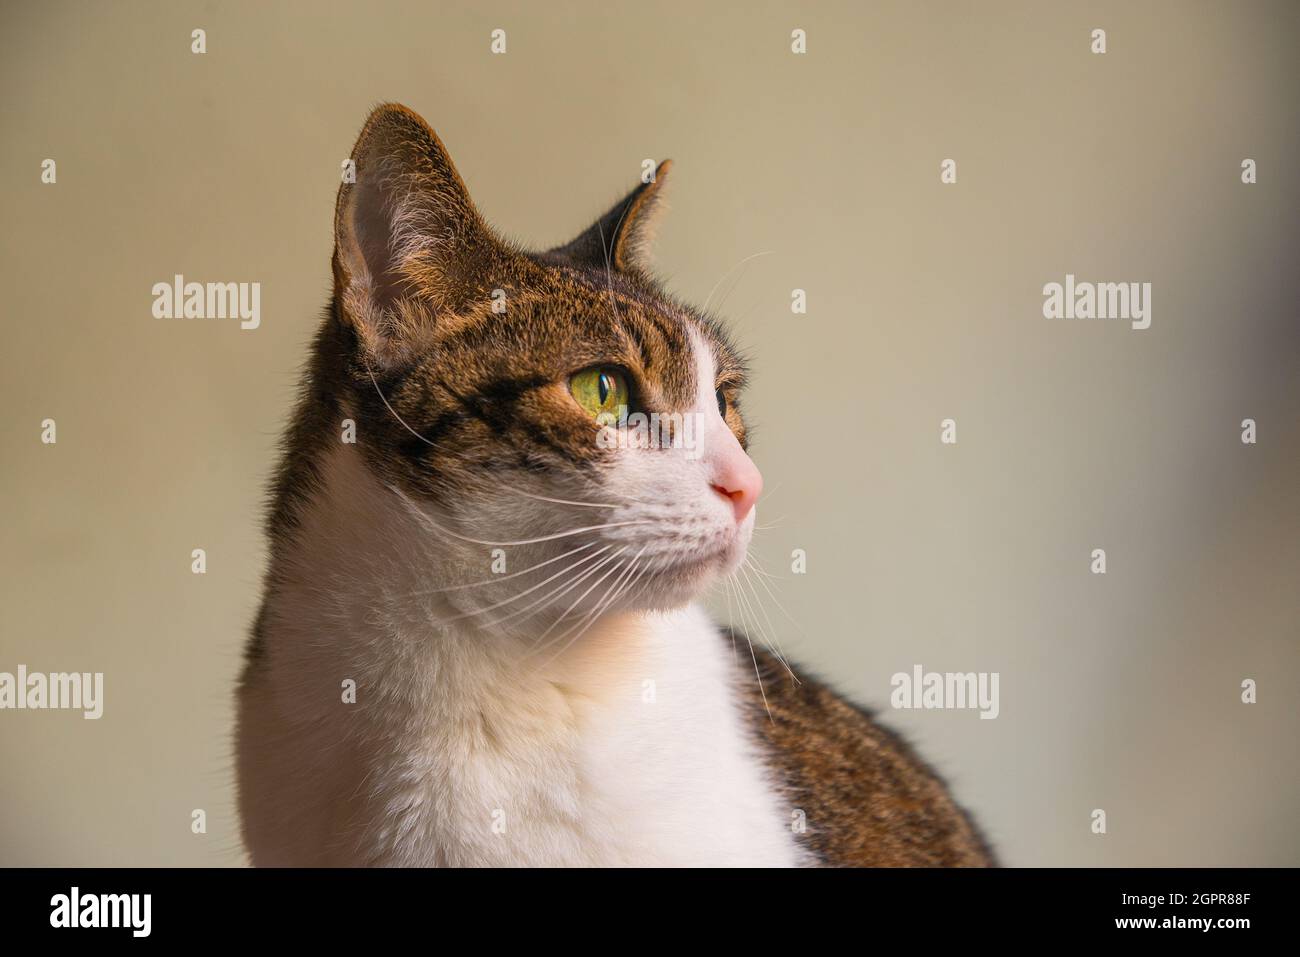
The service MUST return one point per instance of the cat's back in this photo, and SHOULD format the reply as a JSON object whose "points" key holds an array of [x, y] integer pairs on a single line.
{"points": [[867, 799]]}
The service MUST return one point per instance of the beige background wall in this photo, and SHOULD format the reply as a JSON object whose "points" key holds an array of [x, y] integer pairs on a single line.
{"points": [[1119, 692]]}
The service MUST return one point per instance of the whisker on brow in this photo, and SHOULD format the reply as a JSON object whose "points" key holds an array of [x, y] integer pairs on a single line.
{"points": [[709, 297]]}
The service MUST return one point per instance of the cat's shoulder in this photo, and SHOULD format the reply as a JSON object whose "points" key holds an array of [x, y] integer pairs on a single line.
{"points": [[867, 798]]}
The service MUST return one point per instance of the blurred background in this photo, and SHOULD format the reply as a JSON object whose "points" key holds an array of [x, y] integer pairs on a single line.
{"points": [[818, 172]]}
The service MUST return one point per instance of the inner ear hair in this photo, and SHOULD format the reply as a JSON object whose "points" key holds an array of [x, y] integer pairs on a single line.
{"points": [[409, 243]]}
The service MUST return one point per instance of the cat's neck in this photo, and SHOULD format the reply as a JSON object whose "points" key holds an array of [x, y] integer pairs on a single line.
{"points": [[457, 747], [359, 568]]}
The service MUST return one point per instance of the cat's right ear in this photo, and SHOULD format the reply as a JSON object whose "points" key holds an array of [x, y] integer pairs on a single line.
{"points": [[621, 238], [407, 238]]}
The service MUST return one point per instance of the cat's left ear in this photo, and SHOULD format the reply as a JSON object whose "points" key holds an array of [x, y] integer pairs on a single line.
{"points": [[621, 238], [409, 245]]}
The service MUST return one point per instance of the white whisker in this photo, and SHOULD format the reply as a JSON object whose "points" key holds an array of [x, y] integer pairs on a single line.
{"points": [[507, 601], [578, 601], [563, 589], [423, 516], [503, 578], [709, 297], [586, 620], [731, 619], [772, 641], [616, 588], [561, 501], [384, 399], [772, 594]]}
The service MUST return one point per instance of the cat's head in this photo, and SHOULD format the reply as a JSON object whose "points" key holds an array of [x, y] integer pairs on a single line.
{"points": [[497, 391]]}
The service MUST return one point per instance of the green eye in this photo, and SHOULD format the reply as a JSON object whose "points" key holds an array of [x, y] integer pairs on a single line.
{"points": [[600, 390]]}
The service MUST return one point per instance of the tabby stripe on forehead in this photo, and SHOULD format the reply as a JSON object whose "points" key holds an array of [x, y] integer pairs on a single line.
{"points": [[671, 331], [676, 377], [633, 332], [660, 350]]}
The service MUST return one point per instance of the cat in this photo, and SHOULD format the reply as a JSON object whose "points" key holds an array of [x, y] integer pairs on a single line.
{"points": [[479, 642]]}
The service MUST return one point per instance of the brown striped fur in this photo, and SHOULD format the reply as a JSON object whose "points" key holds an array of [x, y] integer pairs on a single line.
{"points": [[479, 394], [869, 800]]}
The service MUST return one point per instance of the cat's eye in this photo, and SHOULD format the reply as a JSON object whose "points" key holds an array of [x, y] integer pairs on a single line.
{"points": [[600, 390], [722, 403]]}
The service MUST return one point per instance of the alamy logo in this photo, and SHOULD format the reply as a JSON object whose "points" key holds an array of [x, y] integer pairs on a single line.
{"points": [[658, 430], [946, 690], [75, 691], [103, 910], [179, 299], [1098, 300]]}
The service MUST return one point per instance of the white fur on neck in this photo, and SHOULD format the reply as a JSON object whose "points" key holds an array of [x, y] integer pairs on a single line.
{"points": [[627, 749]]}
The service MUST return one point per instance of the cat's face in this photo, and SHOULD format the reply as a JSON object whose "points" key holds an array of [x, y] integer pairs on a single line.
{"points": [[569, 436]]}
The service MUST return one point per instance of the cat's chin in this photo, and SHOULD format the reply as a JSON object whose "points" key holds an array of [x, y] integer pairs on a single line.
{"points": [[678, 584]]}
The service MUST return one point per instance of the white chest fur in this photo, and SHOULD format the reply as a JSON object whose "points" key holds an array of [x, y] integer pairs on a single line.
{"points": [[628, 749]]}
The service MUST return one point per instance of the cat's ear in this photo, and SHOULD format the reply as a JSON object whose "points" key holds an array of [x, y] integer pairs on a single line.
{"points": [[621, 238], [408, 242]]}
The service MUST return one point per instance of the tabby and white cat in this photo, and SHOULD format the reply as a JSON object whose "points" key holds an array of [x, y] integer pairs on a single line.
{"points": [[575, 707]]}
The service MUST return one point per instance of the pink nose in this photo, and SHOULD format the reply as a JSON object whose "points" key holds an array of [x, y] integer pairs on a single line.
{"points": [[737, 479]]}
